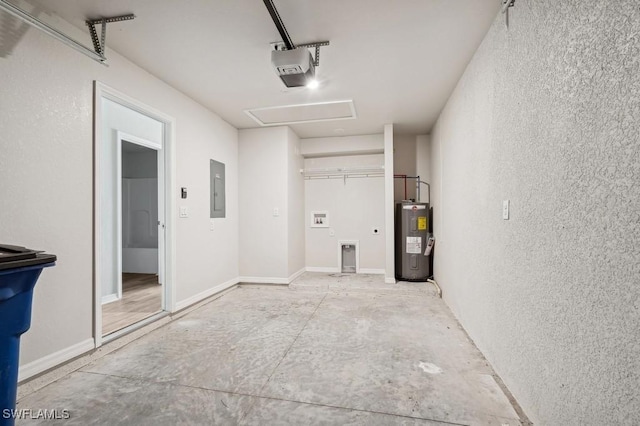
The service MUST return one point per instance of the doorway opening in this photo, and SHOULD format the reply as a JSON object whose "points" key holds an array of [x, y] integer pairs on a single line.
{"points": [[139, 292], [133, 233]]}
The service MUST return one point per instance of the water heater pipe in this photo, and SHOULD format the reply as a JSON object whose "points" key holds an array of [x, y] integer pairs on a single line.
{"points": [[428, 190]]}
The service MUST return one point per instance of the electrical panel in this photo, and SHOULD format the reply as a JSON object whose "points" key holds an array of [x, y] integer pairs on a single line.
{"points": [[217, 189]]}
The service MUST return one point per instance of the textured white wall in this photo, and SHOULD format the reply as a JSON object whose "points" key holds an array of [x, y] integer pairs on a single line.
{"points": [[547, 115], [295, 205], [263, 188], [423, 164], [46, 166]]}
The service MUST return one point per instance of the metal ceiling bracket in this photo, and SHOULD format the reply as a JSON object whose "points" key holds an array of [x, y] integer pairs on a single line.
{"points": [[506, 4], [99, 44], [316, 57], [49, 30]]}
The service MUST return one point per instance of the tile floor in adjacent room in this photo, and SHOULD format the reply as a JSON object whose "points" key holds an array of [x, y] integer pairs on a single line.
{"points": [[329, 349]]}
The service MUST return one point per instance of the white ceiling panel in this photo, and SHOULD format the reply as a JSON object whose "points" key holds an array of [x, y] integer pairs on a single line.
{"points": [[398, 60]]}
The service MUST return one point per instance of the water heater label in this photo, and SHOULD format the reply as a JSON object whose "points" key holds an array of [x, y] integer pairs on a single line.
{"points": [[422, 223], [414, 245]]}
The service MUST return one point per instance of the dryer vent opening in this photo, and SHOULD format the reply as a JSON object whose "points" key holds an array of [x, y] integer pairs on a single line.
{"points": [[348, 258]]}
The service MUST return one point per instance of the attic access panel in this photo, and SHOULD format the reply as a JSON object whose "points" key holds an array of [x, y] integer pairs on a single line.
{"points": [[303, 113], [217, 205]]}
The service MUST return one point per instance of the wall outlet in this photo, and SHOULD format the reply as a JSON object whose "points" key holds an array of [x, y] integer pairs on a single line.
{"points": [[505, 209], [184, 211], [211, 225], [276, 212], [375, 230]]}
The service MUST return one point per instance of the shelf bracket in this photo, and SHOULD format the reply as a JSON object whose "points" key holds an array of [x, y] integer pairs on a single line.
{"points": [[99, 44]]}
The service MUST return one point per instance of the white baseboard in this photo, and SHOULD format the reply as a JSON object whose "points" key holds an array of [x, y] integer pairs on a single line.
{"points": [[389, 280], [110, 298], [296, 275], [324, 269], [371, 271], [55, 359], [263, 280], [207, 293]]}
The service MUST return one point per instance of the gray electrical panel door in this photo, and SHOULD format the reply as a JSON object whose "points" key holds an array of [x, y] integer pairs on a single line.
{"points": [[216, 188], [412, 229]]}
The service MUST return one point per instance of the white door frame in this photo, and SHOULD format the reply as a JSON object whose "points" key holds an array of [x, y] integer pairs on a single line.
{"points": [[169, 170]]}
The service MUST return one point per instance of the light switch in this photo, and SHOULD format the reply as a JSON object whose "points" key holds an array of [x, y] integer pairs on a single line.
{"points": [[276, 211], [505, 209], [332, 233], [184, 211], [211, 224]]}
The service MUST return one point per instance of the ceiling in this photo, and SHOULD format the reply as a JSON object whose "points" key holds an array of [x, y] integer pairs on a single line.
{"points": [[397, 60]]}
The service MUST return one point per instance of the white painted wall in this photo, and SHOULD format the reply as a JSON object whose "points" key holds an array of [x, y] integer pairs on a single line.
{"points": [[552, 123], [295, 206], [342, 145], [423, 162], [46, 99], [355, 206], [271, 205], [263, 158], [404, 163]]}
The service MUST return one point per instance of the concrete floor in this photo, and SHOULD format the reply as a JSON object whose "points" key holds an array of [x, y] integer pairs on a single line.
{"points": [[325, 350]]}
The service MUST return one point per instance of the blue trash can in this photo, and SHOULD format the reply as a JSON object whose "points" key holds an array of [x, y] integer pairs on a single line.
{"points": [[19, 270]]}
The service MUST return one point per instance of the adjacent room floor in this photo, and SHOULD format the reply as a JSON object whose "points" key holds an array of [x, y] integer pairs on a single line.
{"points": [[141, 298], [329, 349]]}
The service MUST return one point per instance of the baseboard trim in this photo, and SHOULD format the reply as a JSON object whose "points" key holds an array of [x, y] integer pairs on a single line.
{"points": [[296, 275], [263, 280], [371, 271], [324, 269], [207, 293], [55, 359], [389, 280], [109, 298]]}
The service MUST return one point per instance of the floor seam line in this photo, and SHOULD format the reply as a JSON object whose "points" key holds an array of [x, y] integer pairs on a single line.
{"points": [[285, 355]]}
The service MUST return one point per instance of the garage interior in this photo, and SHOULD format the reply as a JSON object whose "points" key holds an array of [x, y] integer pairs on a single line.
{"points": [[280, 137]]}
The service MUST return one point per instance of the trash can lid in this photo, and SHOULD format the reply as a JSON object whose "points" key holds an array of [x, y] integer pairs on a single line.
{"points": [[18, 257]]}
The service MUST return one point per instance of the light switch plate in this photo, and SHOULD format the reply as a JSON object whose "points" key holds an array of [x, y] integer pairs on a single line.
{"points": [[184, 211], [276, 212], [332, 233], [505, 209], [211, 224]]}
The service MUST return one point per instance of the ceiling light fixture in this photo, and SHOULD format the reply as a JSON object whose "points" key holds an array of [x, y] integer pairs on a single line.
{"points": [[295, 66]]}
